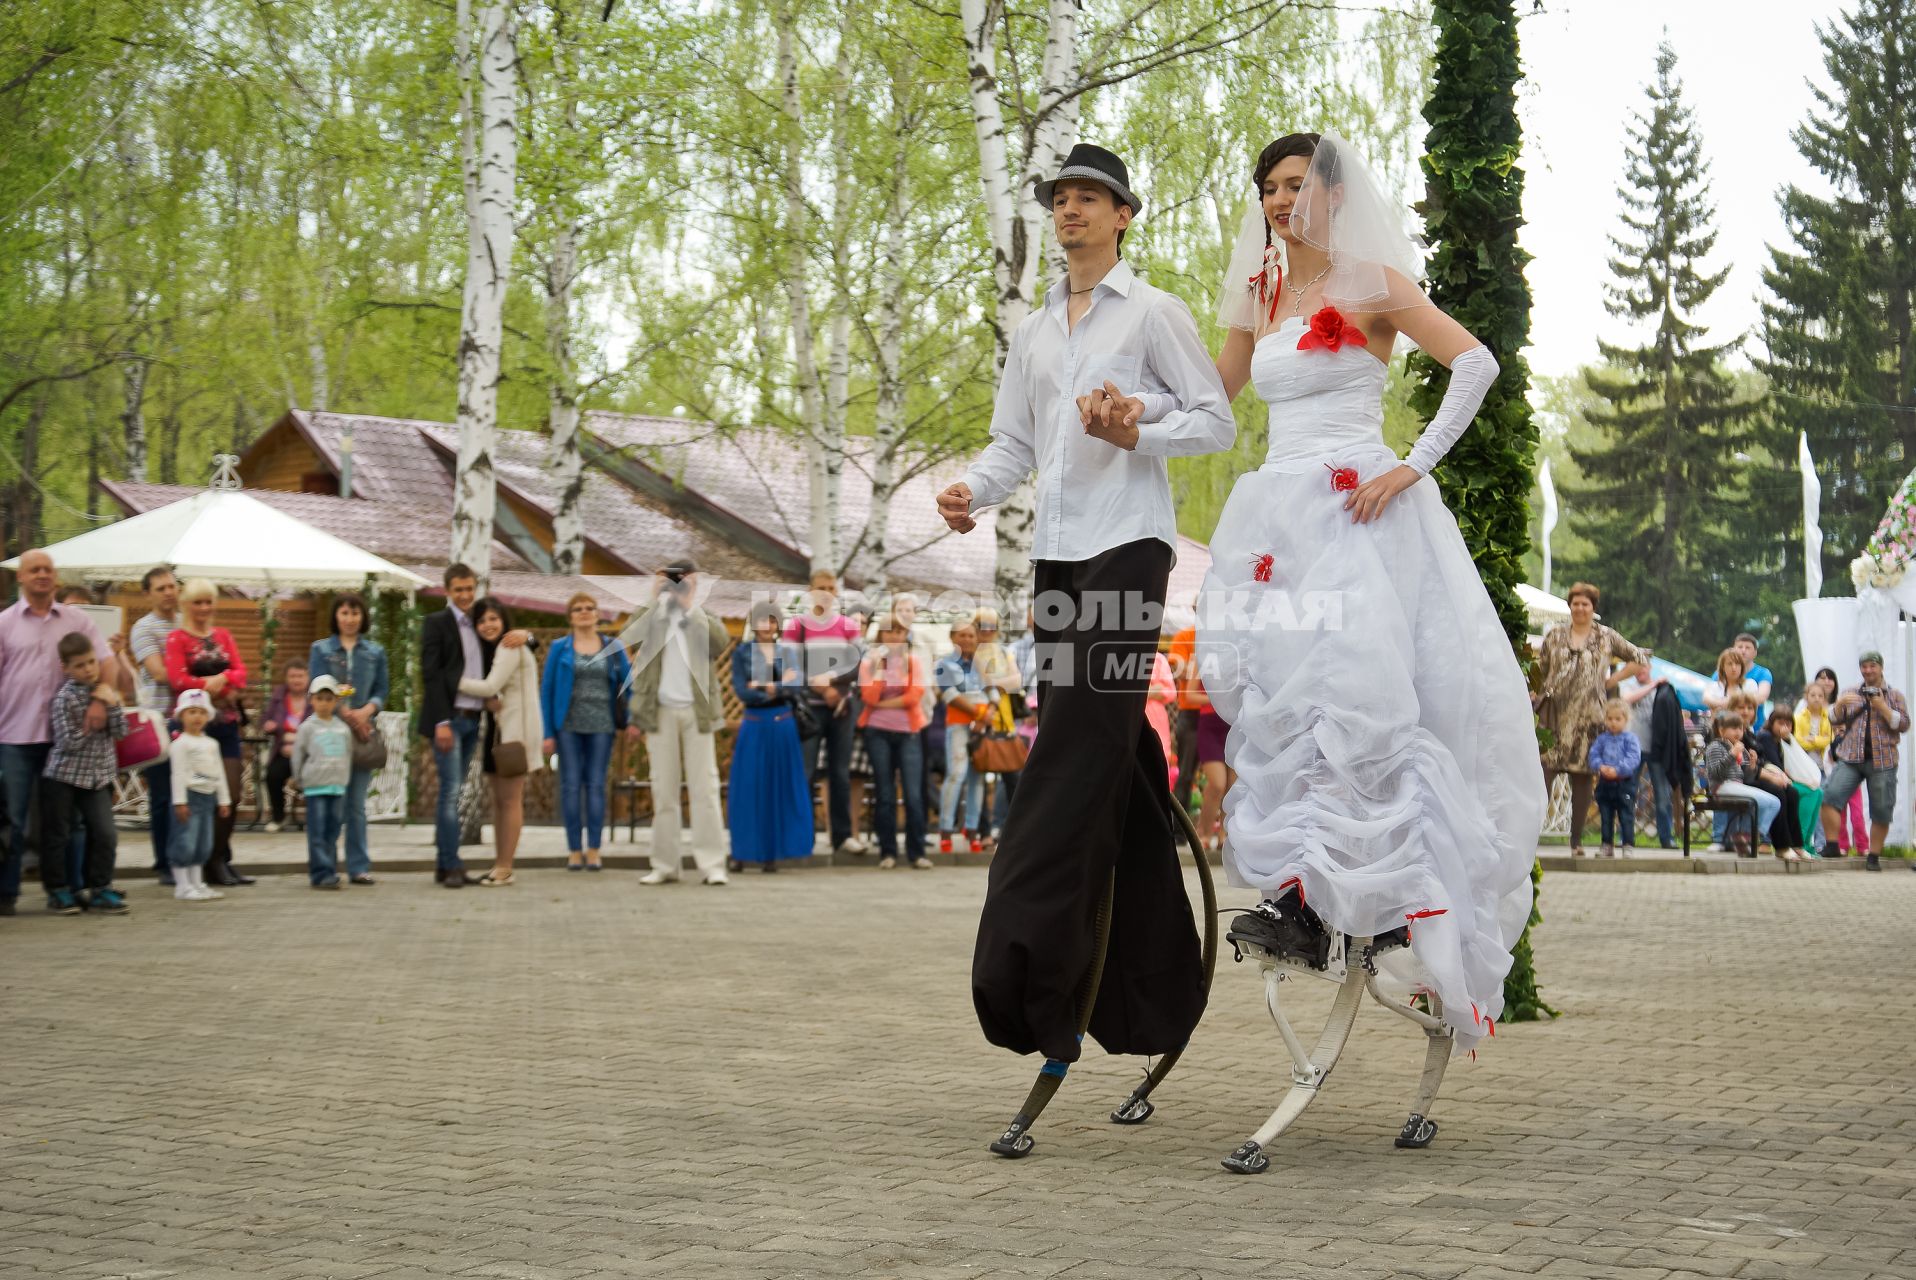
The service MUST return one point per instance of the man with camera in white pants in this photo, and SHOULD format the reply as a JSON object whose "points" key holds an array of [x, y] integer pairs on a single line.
{"points": [[675, 704]]}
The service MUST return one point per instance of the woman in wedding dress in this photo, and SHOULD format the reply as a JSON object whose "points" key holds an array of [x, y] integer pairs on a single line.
{"points": [[1380, 729]]}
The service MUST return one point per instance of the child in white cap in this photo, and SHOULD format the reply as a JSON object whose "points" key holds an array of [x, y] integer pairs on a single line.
{"points": [[322, 768], [199, 794]]}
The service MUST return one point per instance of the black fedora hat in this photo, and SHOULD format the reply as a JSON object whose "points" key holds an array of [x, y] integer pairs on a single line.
{"points": [[1093, 164]]}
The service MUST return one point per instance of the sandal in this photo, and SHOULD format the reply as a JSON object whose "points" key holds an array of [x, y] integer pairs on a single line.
{"points": [[575, 862], [493, 880], [594, 864]]}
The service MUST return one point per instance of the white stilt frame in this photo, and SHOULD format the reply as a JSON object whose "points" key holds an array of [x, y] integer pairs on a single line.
{"points": [[1352, 964]]}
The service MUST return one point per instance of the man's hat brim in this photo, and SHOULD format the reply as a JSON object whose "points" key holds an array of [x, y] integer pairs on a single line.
{"points": [[1043, 189]]}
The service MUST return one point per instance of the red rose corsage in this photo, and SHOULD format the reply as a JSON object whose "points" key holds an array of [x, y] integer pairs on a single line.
{"points": [[1343, 479], [1261, 567], [1330, 331]]}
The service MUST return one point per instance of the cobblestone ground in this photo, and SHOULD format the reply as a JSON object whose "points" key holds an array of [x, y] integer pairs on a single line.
{"points": [[580, 1077]]}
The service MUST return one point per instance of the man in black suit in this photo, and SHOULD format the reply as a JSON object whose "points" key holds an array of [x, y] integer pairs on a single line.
{"points": [[451, 650]]}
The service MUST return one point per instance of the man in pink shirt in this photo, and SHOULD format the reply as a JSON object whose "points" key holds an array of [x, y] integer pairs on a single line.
{"points": [[30, 674], [831, 642]]}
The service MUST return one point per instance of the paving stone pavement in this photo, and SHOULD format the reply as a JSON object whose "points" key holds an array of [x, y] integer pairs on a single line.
{"points": [[580, 1077]]}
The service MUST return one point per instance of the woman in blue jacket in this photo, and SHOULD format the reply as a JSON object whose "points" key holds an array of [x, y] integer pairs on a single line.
{"points": [[358, 665], [770, 802], [582, 699]]}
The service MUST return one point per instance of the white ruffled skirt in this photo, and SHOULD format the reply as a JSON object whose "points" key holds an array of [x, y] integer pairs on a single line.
{"points": [[1381, 731]]}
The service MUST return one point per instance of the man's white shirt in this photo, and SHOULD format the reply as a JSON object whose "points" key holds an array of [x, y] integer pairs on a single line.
{"points": [[1093, 496]]}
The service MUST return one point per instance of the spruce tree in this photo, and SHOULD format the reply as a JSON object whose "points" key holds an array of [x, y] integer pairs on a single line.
{"points": [[1666, 492], [1838, 325]]}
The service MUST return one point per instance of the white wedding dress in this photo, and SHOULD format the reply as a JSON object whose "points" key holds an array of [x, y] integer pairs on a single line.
{"points": [[1380, 727]]}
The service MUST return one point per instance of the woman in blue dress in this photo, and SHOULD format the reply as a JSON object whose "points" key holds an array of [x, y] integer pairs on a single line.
{"points": [[771, 800]]}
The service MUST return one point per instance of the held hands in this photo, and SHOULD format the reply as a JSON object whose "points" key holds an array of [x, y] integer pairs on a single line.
{"points": [[442, 739], [1111, 416], [180, 812], [954, 505], [1369, 500], [226, 811]]}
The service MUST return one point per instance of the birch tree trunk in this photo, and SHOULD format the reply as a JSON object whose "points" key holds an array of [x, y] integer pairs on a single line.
{"points": [[888, 428], [838, 362], [1013, 217], [490, 55], [565, 462], [133, 420], [823, 463]]}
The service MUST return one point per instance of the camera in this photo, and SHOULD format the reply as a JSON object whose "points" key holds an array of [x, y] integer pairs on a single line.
{"points": [[1870, 691]]}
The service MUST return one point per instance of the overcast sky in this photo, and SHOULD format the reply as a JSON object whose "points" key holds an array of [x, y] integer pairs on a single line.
{"points": [[1744, 66]]}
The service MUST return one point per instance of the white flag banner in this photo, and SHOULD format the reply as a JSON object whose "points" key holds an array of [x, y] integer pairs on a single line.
{"points": [[1812, 517], [1549, 518]]}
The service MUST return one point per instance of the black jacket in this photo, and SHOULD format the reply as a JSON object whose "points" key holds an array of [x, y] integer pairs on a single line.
{"points": [[442, 661], [1668, 749]]}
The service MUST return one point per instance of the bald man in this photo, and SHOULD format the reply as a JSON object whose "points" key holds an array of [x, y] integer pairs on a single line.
{"points": [[30, 674]]}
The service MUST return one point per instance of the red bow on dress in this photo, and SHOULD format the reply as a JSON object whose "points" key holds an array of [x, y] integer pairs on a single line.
{"points": [[1329, 331]]}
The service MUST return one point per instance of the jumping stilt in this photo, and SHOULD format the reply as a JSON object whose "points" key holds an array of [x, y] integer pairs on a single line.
{"points": [[1137, 1108], [1016, 1141], [1420, 1129]]}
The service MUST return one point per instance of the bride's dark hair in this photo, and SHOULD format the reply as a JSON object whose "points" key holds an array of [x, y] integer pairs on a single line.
{"points": [[1291, 144]]}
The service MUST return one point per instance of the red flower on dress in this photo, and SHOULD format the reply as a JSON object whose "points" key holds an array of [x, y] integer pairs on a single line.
{"points": [[1343, 479], [1261, 567], [1329, 331]]}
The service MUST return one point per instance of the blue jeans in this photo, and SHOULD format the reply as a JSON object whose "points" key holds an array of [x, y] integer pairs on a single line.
{"points": [[323, 815], [895, 753], [193, 835], [159, 809], [959, 776], [1767, 805], [452, 772], [21, 765], [1617, 803], [1666, 819], [583, 761], [359, 858]]}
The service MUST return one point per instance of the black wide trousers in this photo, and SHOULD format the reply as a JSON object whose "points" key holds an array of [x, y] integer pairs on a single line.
{"points": [[1092, 801]]}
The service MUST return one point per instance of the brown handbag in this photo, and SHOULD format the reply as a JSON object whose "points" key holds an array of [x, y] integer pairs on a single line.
{"points": [[998, 753], [509, 760]]}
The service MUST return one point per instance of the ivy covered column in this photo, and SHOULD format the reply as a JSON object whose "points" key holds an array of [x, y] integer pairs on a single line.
{"points": [[1472, 209]]}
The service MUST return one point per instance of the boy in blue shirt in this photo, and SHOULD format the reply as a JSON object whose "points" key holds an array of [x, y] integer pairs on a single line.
{"points": [[1614, 758], [322, 768]]}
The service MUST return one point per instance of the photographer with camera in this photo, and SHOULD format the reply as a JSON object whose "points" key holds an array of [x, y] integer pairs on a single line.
{"points": [[675, 704], [1869, 720]]}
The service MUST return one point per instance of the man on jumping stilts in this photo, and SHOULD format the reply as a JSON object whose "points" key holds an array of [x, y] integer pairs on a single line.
{"points": [[1091, 814]]}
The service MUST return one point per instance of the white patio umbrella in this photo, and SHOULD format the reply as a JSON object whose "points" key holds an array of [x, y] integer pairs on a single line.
{"points": [[1542, 607], [230, 538]]}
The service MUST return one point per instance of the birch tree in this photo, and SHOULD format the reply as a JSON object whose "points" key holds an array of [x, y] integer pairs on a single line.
{"points": [[488, 53]]}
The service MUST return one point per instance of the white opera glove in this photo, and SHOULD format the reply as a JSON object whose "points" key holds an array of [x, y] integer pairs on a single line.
{"points": [[1471, 376]]}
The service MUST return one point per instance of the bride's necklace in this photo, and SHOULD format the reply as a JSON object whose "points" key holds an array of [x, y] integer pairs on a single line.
{"points": [[1297, 293]]}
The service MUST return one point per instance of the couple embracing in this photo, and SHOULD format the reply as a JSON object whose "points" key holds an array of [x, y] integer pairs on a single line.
{"points": [[1380, 728]]}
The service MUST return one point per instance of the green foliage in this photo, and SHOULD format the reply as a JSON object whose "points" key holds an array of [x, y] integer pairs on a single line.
{"points": [[1667, 496], [1841, 343], [1523, 998], [1472, 210]]}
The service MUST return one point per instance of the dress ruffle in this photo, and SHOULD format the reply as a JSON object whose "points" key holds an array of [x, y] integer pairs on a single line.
{"points": [[1380, 727]]}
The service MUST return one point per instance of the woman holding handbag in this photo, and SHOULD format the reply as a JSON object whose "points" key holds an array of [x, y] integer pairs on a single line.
{"points": [[358, 666], [513, 732], [202, 656]]}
